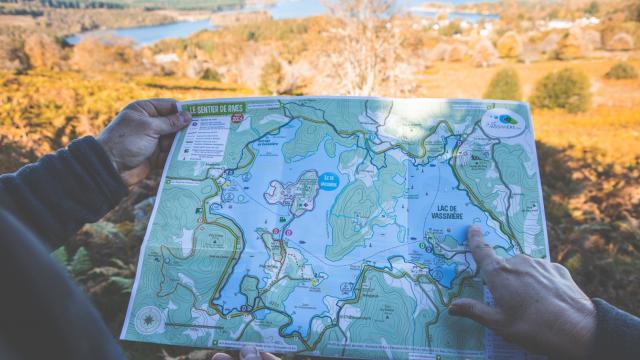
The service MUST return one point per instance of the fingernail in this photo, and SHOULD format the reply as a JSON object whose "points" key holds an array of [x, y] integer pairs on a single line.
{"points": [[249, 352], [474, 230], [184, 116]]}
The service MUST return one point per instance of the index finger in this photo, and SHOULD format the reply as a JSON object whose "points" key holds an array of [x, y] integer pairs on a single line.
{"points": [[164, 107], [482, 252]]}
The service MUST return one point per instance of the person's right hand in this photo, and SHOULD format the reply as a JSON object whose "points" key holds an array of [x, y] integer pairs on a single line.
{"points": [[538, 305]]}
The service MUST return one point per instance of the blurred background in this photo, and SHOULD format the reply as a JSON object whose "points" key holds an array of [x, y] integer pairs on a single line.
{"points": [[67, 67]]}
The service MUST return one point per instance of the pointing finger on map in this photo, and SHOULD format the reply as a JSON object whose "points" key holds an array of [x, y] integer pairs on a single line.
{"points": [[486, 260], [484, 256]]}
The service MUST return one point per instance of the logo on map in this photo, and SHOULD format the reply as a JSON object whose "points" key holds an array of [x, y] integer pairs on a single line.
{"points": [[237, 118], [502, 123], [506, 119]]}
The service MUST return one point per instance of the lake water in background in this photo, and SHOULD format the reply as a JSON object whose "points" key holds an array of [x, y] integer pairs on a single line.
{"points": [[291, 9], [146, 35], [283, 9]]}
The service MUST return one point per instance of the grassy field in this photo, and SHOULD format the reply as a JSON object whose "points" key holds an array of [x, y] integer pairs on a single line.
{"points": [[611, 126]]}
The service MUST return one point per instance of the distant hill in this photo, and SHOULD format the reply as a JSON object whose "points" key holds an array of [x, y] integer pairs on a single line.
{"points": [[150, 4]]}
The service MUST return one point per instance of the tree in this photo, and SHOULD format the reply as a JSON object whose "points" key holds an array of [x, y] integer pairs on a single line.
{"points": [[565, 89], [505, 85], [622, 70], [43, 52], [484, 54], [593, 8], [94, 56], [592, 40], [365, 52], [12, 56], [211, 74], [272, 77], [456, 53], [620, 42], [451, 29], [510, 45], [571, 46]]}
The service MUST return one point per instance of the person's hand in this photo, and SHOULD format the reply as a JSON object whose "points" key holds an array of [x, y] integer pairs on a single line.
{"points": [[139, 138], [538, 305], [247, 353]]}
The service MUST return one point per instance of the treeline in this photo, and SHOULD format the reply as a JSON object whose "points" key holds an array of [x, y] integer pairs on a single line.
{"points": [[120, 4], [66, 4], [28, 7]]}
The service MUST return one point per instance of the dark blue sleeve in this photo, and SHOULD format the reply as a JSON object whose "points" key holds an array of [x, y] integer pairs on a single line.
{"points": [[617, 333], [44, 315], [63, 191]]}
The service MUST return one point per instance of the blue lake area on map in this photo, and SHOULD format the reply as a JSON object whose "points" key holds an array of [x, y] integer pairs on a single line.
{"points": [[422, 199]]}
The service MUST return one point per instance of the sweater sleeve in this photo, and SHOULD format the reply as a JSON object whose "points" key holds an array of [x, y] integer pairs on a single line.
{"points": [[61, 192], [617, 333]]}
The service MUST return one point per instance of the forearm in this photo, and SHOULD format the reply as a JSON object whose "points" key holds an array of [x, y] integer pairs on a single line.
{"points": [[63, 191]]}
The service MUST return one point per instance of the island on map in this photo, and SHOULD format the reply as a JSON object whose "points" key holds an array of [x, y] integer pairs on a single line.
{"points": [[299, 196]]}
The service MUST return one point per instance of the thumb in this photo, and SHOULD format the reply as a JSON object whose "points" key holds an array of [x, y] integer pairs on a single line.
{"points": [[249, 353], [169, 124], [475, 310]]}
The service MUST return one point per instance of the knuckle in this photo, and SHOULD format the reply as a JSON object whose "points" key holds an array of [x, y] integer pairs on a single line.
{"points": [[469, 308], [481, 247], [519, 259], [496, 266], [501, 265], [173, 121], [129, 117], [133, 105], [466, 309]]}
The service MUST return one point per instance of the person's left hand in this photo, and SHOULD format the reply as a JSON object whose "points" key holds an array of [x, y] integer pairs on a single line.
{"points": [[139, 138]]}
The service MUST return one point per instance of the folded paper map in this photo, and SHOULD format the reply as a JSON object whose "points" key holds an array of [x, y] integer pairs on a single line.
{"points": [[335, 226]]}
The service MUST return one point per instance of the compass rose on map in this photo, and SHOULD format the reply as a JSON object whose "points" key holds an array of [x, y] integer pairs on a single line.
{"points": [[148, 320]]}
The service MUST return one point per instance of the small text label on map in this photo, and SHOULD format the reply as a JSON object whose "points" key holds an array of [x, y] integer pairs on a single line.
{"points": [[328, 181]]}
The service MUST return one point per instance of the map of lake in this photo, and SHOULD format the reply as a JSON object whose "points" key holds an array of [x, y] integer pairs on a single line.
{"points": [[335, 226]]}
